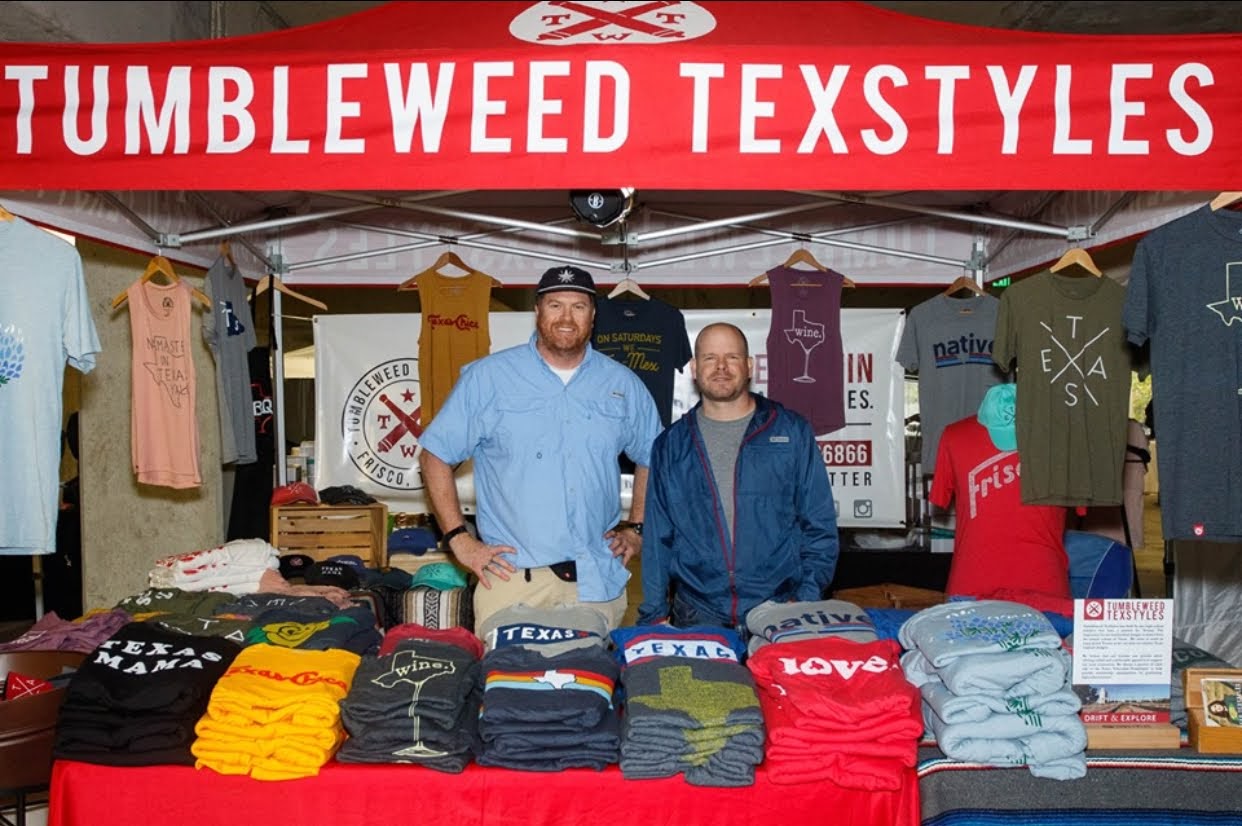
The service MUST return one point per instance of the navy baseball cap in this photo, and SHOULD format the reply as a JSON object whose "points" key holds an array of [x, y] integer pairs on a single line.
{"points": [[566, 278]]}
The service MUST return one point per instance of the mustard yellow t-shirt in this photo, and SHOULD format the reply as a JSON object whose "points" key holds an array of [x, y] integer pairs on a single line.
{"points": [[454, 332]]}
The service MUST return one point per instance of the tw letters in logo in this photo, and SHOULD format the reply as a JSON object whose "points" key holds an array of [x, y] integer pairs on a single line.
{"points": [[633, 22]]}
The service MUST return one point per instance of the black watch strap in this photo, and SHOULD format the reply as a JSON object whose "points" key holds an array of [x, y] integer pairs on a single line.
{"points": [[458, 531], [637, 527]]}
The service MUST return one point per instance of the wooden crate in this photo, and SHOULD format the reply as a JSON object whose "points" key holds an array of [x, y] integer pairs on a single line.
{"points": [[891, 595], [1204, 738], [322, 531]]}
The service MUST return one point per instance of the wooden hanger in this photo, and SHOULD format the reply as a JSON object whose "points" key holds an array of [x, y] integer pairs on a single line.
{"points": [[629, 285], [159, 265], [444, 260], [226, 250], [1225, 199], [965, 282], [800, 256], [275, 283], [1078, 256], [5, 215]]}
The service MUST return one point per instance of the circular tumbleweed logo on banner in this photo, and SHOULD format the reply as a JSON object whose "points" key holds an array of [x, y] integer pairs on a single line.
{"points": [[592, 21], [381, 422]]}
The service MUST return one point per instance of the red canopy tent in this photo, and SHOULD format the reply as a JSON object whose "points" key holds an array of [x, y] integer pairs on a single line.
{"points": [[515, 95], [809, 103]]}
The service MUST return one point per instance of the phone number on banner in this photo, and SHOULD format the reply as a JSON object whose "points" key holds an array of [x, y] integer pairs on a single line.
{"points": [[845, 454]]}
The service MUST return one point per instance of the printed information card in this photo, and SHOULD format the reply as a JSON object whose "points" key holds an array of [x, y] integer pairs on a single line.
{"points": [[1123, 659]]}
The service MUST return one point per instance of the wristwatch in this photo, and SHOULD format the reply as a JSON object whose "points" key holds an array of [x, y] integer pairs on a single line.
{"points": [[448, 537], [636, 527]]}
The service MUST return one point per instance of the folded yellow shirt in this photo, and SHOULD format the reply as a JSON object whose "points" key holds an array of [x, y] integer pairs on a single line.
{"points": [[268, 676]]}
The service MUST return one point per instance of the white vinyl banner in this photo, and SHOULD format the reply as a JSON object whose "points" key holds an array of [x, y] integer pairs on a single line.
{"points": [[367, 407]]}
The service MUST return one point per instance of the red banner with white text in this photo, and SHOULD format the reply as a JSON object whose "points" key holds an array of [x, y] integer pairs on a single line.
{"points": [[668, 95]]}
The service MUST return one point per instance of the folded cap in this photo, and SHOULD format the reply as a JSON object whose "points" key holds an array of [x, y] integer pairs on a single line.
{"points": [[345, 495], [996, 413], [352, 560], [443, 576], [566, 278], [333, 573], [294, 493], [394, 578], [411, 541], [295, 566]]}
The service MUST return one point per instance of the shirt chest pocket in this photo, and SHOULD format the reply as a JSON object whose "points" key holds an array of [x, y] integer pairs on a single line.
{"points": [[768, 470], [606, 423], [519, 426]]}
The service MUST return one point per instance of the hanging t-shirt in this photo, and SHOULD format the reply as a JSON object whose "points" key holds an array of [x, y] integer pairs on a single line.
{"points": [[253, 482], [45, 322], [1073, 386], [1185, 297], [163, 424], [454, 332], [229, 332], [649, 337], [948, 342], [1002, 549], [805, 356]]}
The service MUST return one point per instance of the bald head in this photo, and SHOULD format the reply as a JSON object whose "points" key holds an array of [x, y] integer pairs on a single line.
{"points": [[722, 333]]}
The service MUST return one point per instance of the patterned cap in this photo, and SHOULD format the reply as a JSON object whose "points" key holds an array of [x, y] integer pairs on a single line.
{"points": [[997, 413]]}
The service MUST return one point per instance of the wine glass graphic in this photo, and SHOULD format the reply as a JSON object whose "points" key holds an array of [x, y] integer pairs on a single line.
{"points": [[409, 667], [808, 335]]}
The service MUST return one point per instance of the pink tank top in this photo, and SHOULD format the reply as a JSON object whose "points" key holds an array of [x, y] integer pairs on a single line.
{"points": [[163, 421]]}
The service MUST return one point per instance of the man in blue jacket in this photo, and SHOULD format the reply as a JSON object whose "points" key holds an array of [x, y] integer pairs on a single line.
{"points": [[739, 508]]}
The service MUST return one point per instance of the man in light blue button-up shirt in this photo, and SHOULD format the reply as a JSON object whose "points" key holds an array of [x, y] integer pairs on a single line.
{"points": [[544, 423]]}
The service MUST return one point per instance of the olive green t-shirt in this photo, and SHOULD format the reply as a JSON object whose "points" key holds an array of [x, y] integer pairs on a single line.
{"points": [[1073, 368]]}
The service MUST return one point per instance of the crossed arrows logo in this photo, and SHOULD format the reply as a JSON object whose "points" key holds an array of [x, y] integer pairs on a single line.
{"points": [[618, 22], [406, 423], [598, 18]]}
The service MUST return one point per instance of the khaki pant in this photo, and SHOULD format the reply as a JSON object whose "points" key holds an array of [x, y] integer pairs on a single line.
{"points": [[544, 589]]}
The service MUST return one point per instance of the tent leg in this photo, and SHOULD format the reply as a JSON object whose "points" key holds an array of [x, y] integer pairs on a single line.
{"points": [[1136, 587], [1168, 568]]}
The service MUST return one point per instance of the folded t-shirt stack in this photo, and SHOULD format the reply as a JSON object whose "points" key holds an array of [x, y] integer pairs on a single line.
{"points": [[235, 567], [788, 621], [418, 703], [996, 686], [186, 612], [548, 691], [135, 700], [690, 707], [838, 710], [275, 713]]}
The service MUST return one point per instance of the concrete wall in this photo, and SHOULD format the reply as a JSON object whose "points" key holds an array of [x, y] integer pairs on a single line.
{"points": [[50, 21], [92, 22], [127, 526]]}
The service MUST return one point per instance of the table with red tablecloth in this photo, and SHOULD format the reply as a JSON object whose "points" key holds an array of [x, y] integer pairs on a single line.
{"points": [[84, 794]]}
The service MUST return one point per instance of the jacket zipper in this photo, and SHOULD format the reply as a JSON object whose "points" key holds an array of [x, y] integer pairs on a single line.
{"points": [[730, 559]]}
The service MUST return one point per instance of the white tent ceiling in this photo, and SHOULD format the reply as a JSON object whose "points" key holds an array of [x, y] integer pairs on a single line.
{"points": [[671, 239]]}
